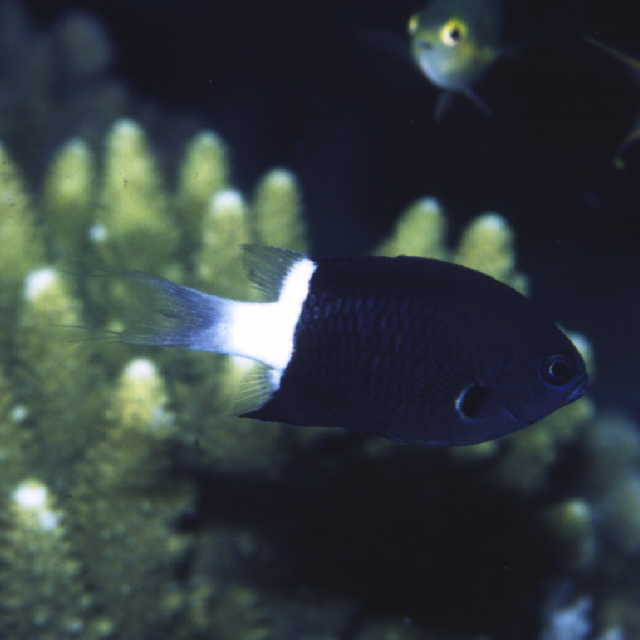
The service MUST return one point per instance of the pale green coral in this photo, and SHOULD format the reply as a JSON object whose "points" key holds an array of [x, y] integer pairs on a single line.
{"points": [[22, 243], [421, 231], [133, 209], [54, 85], [204, 171], [102, 445], [115, 446], [277, 206], [67, 199], [13, 439], [42, 596], [487, 245], [111, 504], [572, 522], [52, 377], [133, 506], [225, 228]]}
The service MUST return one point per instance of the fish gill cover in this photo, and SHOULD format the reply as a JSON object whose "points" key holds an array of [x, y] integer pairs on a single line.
{"points": [[132, 506]]}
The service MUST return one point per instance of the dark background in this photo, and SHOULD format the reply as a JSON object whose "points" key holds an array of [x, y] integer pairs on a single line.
{"points": [[327, 89]]}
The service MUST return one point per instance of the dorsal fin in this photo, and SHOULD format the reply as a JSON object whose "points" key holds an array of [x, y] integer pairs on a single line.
{"points": [[267, 267]]}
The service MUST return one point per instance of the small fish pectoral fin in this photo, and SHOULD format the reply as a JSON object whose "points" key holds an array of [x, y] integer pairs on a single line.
{"points": [[478, 101], [445, 99], [443, 104]]}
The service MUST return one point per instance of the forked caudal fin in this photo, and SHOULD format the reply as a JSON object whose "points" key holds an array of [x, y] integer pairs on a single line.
{"points": [[164, 314], [170, 315]]}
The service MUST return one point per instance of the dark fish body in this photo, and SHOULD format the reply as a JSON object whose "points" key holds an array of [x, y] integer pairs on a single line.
{"points": [[413, 349]]}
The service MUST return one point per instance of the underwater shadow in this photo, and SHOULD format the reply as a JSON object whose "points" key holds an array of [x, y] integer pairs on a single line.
{"points": [[411, 533]]}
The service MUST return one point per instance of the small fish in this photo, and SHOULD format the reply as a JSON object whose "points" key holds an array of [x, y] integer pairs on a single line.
{"points": [[413, 349], [455, 42], [634, 65]]}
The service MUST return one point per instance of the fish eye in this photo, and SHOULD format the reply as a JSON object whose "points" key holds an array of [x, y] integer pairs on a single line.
{"points": [[557, 370], [471, 401], [453, 32], [412, 25]]}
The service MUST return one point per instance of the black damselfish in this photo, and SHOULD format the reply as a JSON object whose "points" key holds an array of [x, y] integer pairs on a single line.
{"points": [[413, 349]]}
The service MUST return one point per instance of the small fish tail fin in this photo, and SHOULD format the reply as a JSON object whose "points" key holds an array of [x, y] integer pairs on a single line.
{"points": [[159, 312]]}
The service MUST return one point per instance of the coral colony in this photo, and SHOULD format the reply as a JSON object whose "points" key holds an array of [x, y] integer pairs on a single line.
{"points": [[134, 506]]}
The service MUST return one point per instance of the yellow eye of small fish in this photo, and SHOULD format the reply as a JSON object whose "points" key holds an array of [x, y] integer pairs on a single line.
{"points": [[453, 32], [412, 25]]}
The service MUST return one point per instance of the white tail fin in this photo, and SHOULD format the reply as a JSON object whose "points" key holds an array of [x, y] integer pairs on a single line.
{"points": [[166, 314]]}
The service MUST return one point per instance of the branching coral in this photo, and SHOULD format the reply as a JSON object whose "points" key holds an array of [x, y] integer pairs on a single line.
{"points": [[134, 506], [89, 503], [53, 84], [100, 440]]}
